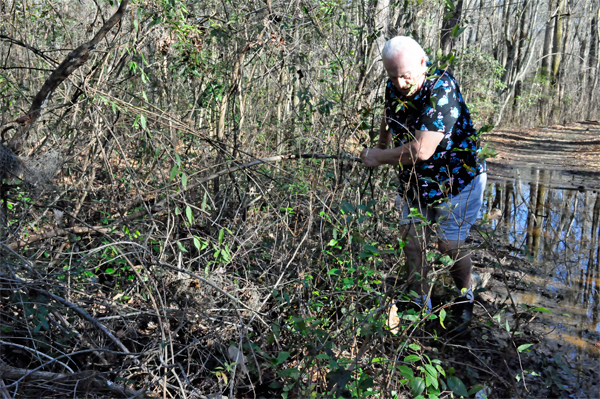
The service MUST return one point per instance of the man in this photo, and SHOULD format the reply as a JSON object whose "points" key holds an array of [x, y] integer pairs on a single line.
{"points": [[440, 174]]}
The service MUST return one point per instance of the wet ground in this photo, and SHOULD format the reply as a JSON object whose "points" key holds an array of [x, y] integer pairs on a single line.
{"points": [[542, 253]]}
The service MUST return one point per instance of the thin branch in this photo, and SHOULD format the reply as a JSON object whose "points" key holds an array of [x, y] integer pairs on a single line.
{"points": [[160, 206]]}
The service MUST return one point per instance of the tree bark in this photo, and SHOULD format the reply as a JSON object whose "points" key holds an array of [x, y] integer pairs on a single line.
{"points": [[557, 41], [446, 40], [593, 59]]}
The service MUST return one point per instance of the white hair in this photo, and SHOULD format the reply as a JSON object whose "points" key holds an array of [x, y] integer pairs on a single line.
{"points": [[400, 44]]}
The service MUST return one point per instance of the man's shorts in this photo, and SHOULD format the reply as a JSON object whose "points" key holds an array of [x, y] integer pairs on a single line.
{"points": [[453, 218]]}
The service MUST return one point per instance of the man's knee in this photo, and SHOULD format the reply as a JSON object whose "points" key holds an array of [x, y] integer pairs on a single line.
{"points": [[451, 248]]}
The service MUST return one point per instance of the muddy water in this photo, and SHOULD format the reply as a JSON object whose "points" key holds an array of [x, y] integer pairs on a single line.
{"points": [[550, 221]]}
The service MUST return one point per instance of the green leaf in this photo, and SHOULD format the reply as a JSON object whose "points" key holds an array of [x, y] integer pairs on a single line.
{"points": [[431, 381], [293, 373], [110, 270], [442, 317], [414, 347], [523, 347], [365, 382], [541, 310], [431, 370], [406, 371], [189, 214], [181, 247], [143, 121], [454, 30], [44, 322], [417, 385], [412, 358], [347, 207], [457, 386], [475, 389], [184, 181], [282, 357], [174, 171]]}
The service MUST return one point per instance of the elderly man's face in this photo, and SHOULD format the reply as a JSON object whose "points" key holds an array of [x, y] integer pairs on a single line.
{"points": [[406, 73]]}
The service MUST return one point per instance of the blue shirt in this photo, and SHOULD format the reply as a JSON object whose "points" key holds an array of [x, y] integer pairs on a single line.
{"points": [[438, 106]]}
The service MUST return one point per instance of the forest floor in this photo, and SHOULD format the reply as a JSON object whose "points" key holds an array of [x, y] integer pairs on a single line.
{"points": [[521, 326]]}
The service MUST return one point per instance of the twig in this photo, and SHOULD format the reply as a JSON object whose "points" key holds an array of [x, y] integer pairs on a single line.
{"points": [[38, 353]]}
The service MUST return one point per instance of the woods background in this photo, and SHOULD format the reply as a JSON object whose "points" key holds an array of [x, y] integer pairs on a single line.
{"points": [[189, 193]]}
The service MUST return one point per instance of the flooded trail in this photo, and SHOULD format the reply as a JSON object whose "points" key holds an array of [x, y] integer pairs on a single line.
{"points": [[544, 192], [571, 153]]}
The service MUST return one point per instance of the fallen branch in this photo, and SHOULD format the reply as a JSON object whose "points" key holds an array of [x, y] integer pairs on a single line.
{"points": [[80, 312], [59, 232], [88, 317], [87, 381]]}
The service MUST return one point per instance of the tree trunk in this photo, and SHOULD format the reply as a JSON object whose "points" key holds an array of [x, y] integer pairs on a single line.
{"points": [[447, 41], [593, 60], [546, 60], [557, 41]]}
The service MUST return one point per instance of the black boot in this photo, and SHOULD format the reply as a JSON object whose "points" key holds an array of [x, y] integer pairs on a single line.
{"points": [[461, 313]]}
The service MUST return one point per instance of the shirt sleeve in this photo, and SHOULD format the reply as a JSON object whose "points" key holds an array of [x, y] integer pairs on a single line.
{"points": [[442, 110]]}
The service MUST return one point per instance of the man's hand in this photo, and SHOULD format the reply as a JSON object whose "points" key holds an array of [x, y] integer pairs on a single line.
{"points": [[371, 157]]}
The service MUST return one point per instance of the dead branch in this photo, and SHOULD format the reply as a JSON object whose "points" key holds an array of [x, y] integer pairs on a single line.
{"points": [[89, 381], [59, 232], [89, 318]]}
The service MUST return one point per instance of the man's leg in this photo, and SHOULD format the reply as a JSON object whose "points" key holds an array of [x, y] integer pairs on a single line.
{"points": [[415, 237], [461, 270], [455, 219]]}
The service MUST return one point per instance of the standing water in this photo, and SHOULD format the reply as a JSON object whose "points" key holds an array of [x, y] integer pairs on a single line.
{"points": [[550, 221]]}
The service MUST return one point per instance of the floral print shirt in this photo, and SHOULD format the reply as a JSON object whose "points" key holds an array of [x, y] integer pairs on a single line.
{"points": [[438, 106]]}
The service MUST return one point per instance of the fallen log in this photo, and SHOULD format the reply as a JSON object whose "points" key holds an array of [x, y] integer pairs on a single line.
{"points": [[86, 381]]}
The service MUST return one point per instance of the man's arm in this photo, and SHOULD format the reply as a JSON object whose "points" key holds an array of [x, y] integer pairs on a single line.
{"points": [[420, 149]]}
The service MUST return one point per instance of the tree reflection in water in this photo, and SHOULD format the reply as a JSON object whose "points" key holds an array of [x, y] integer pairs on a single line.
{"points": [[556, 228]]}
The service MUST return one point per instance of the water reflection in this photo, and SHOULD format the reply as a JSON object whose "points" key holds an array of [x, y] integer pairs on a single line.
{"points": [[557, 229]]}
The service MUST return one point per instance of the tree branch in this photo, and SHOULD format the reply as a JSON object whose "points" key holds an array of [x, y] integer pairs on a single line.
{"points": [[74, 60], [160, 206]]}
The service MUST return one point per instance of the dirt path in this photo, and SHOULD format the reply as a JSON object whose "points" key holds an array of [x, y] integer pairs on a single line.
{"points": [[572, 152]]}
